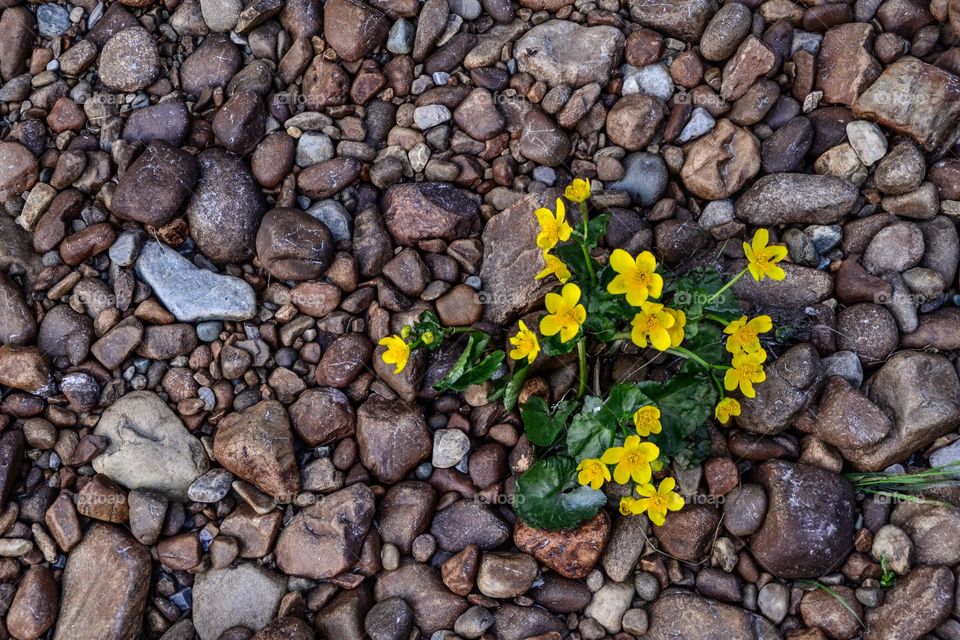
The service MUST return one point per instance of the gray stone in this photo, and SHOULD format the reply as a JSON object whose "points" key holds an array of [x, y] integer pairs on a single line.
{"points": [[645, 178], [791, 198], [52, 20], [149, 448], [190, 293], [247, 595], [545, 52], [609, 604]]}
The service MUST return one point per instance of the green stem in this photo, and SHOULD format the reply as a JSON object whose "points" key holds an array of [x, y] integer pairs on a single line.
{"points": [[582, 355], [717, 319], [726, 286], [584, 217], [683, 352]]}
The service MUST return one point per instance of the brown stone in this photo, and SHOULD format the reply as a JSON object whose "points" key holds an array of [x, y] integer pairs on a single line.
{"points": [[392, 437], [293, 245], [181, 552], [353, 28], [845, 66], [24, 368], [254, 533], [633, 121], [325, 84], [103, 499], [19, 170], [720, 163], [572, 553], [752, 60], [322, 415], [34, 608], [459, 571]]}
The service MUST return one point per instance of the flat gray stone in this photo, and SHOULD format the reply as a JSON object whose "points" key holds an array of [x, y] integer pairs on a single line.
{"points": [[190, 293]]}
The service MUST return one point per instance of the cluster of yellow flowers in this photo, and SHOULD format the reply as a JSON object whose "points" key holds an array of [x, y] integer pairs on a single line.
{"points": [[635, 461]]}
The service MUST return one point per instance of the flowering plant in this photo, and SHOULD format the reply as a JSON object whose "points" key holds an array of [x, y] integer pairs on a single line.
{"points": [[630, 432]]}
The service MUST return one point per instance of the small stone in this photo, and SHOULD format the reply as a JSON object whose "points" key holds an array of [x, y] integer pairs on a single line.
{"points": [[129, 60], [246, 595], [609, 604], [506, 575]]}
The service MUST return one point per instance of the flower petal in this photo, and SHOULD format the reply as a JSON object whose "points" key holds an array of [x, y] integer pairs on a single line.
{"points": [[612, 455], [621, 474], [621, 262], [552, 302], [550, 325]]}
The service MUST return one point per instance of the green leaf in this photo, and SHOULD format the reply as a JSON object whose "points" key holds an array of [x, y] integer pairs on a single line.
{"points": [[552, 346], [472, 367], [596, 228], [548, 497], [541, 426], [512, 390], [572, 255], [590, 433], [685, 403]]}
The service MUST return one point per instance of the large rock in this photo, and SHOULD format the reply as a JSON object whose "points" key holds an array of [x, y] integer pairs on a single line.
{"points": [[19, 169], [425, 210], [247, 595], [679, 614], [796, 198], [392, 437], [511, 260], [546, 53], [721, 162], [914, 607], [845, 64], [105, 585], [156, 185], [324, 539], [921, 393], [434, 607], [257, 445], [808, 529], [681, 19], [847, 419], [293, 245], [353, 28], [190, 293], [148, 447], [793, 381], [469, 522], [915, 99], [17, 325], [571, 552], [225, 208]]}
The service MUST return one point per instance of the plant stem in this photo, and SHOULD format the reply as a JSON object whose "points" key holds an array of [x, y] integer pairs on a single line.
{"points": [[717, 319], [683, 352], [726, 286], [585, 219], [582, 355]]}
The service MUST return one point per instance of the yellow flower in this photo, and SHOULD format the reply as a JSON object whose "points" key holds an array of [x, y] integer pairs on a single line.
{"points": [[553, 228], [647, 420], [525, 343], [656, 502], [652, 323], [593, 473], [632, 459], [398, 352], [746, 371], [578, 190], [564, 314], [428, 337], [744, 333], [627, 505], [635, 277], [555, 267], [763, 259], [726, 409], [676, 331]]}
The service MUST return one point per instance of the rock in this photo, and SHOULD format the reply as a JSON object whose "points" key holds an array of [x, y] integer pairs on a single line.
{"points": [[467, 522], [573, 553], [391, 619], [431, 115], [246, 594], [257, 446], [785, 150], [293, 245], [118, 343], [688, 533], [685, 615], [542, 140], [16, 318], [725, 31], [64, 333], [512, 622], [190, 293], [478, 115], [105, 584], [511, 260], [846, 419], [322, 415], [17, 25], [286, 628], [926, 105], [148, 447], [624, 549], [796, 198], [221, 15], [868, 330], [808, 529], [421, 211], [793, 381], [34, 608], [543, 52], [900, 171], [753, 59], [25, 368], [867, 140], [449, 447], [721, 162], [213, 64], [933, 529], [922, 204], [837, 614], [684, 19], [892, 545], [473, 622], [914, 606], [506, 575], [938, 330], [434, 607], [225, 209], [353, 28], [324, 539], [894, 248], [562, 595], [392, 438], [11, 459], [744, 509], [168, 121], [129, 60], [19, 171], [325, 84], [634, 120], [845, 66], [645, 178], [609, 604], [344, 360], [154, 188], [406, 512]]}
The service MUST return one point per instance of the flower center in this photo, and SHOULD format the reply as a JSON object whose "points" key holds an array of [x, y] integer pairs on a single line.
{"points": [[633, 459], [568, 314], [641, 279]]}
